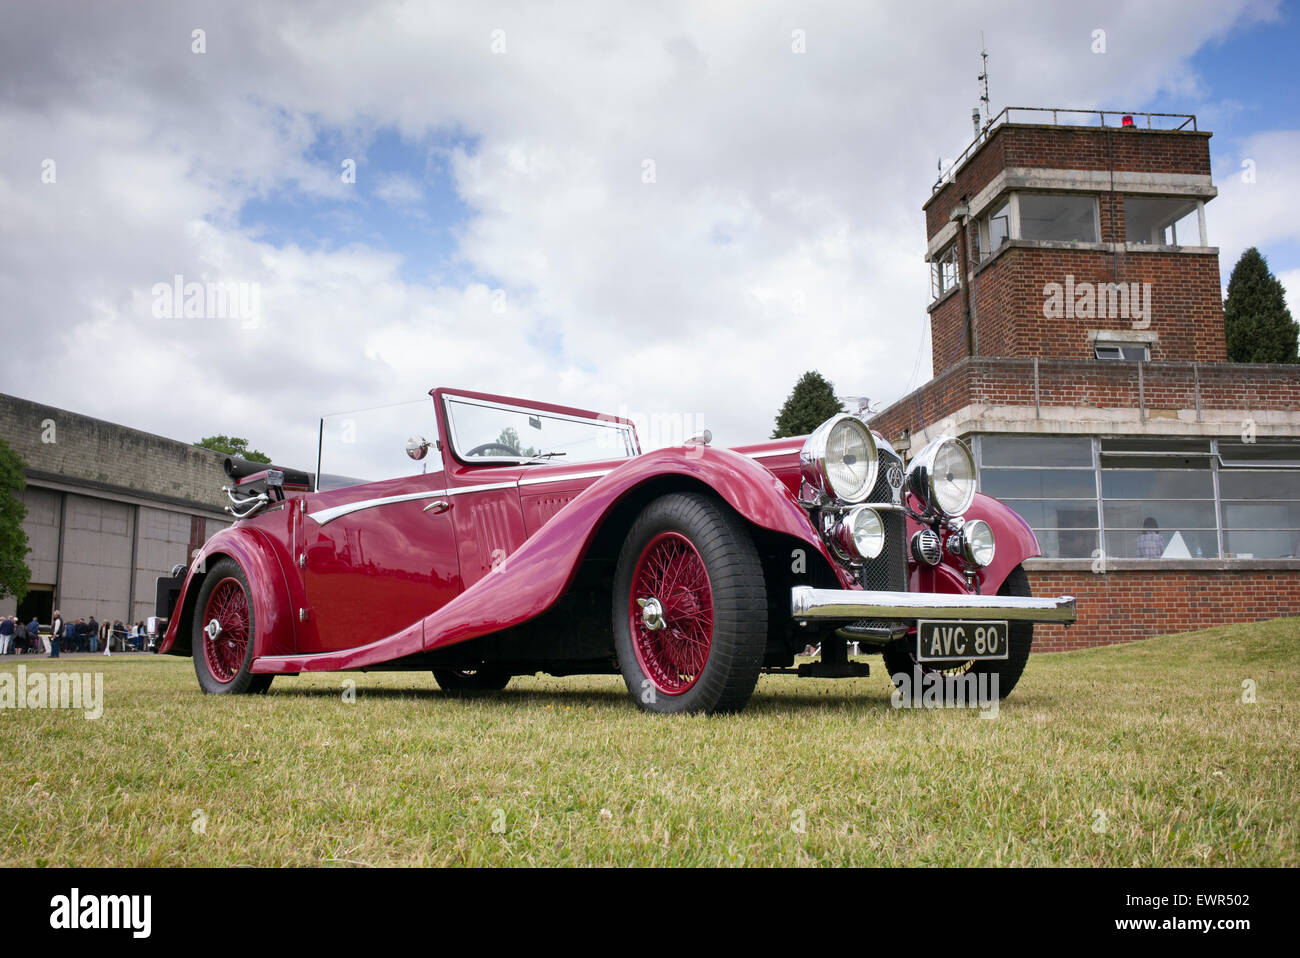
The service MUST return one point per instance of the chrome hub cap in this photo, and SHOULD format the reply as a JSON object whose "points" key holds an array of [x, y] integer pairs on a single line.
{"points": [[213, 629], [652, 613]]}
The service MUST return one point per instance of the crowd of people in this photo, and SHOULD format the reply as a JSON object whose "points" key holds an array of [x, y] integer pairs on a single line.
{"points": [[68, 635]]}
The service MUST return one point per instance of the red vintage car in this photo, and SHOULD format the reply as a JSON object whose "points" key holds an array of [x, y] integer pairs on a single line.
{"points": [[546, 541]]}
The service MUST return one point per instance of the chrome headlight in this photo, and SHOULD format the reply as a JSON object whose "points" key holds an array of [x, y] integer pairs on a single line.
{"points": [[975, 543], [839, 459], [943, 476], [861, 533]]}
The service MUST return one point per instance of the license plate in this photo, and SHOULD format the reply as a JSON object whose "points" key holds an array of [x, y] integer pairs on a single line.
{"points": [[949, 641]]}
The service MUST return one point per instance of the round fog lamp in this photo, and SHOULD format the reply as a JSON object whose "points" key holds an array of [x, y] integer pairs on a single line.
{"points": [[979, 545], [867, 530]]}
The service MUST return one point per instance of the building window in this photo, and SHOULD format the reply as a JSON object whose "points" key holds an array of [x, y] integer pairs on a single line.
{"points": [[994, 228], [943, 271], [1259, 492], [1059, 217], [1051, 481], [1162, 221], [1138, 351], [1158, 499], [1145, 498]]}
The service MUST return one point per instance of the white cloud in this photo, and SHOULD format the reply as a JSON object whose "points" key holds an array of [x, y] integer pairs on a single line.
{"points": [[400, 191], [1256, 201], [782, 232]]}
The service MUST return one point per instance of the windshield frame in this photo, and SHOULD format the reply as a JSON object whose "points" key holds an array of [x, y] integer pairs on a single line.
{"points": [[541, 409]]}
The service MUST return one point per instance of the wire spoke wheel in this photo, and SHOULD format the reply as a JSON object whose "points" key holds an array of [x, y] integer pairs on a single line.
{"points": [[670, 614], [225, 632], [690, 607]]}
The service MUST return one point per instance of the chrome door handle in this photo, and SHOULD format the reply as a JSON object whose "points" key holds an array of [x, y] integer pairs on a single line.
{"points": [[438, 506]]}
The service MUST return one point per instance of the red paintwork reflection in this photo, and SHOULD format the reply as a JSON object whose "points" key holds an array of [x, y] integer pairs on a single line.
{"points": [[367, 572], [261, 547], [536, 575]]}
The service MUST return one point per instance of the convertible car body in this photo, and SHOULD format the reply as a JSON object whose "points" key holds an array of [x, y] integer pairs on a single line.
{"points": [[541, 538]]}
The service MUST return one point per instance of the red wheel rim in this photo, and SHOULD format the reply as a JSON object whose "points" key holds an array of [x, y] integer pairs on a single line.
{"points": [[225, 630], [671, 574]]}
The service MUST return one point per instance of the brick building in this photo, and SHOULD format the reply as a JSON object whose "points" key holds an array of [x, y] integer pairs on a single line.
{"points": [[109, 509], [1078, 346]]}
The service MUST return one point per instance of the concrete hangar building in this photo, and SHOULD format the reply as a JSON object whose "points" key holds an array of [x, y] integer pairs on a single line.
{"points": [[109, 509], [1078, 347]]}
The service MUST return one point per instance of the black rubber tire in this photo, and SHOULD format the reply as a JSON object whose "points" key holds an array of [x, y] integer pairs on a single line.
{"points": [[469, 681], [900, 654], [735, 573], [244, 682]]}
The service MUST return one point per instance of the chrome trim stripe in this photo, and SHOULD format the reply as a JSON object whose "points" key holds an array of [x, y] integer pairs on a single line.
{"points": [[575, 475], [323, 516], [772, 452], [485, 487], [847, 605]]}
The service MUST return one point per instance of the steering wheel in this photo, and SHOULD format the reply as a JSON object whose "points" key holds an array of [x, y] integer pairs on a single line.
{"points": [[482, 449]]}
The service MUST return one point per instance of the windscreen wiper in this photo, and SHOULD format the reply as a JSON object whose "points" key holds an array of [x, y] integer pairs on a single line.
{"points": [[541, 457]]}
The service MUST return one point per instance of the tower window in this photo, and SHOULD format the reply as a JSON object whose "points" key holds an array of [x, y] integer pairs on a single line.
{"points": [[1138, 351], [1162, 221], [994, 228], [1062, 217], [943, 271]]}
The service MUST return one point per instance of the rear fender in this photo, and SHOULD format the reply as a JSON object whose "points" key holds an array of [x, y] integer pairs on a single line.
{"points": [[539, 572], [273, 604]]}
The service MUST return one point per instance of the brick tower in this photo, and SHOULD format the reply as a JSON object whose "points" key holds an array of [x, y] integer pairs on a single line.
{"points": [[1078, 242], [1078, 347]]}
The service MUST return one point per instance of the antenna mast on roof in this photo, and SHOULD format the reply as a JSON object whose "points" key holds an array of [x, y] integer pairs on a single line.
{"points": [[984, 79]]}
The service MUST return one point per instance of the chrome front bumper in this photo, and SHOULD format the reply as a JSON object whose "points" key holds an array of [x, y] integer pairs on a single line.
{"points": [[846, 605]]}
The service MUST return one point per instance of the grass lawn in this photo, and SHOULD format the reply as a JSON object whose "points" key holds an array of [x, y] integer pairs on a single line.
{"points": [[1142, 754]]}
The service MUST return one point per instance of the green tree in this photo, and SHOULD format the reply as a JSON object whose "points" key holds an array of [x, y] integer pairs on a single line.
{"points": [[14, 574], [233, 446], [810, 403], [1256, 322], [509, 437]]}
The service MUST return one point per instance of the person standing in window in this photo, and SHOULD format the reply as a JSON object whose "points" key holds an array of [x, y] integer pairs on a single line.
{"points": [[1151, 544]]}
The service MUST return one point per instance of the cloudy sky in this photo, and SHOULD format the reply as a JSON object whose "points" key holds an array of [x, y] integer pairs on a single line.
{"points": [[664, 209]]}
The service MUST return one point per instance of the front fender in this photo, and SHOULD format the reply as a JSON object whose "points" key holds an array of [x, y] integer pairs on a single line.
{"points": [[537, 574], [1016, 542], [255, 551]]}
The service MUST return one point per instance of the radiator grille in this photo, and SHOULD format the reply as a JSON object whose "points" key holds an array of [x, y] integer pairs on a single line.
{"points": [[888, 571]]}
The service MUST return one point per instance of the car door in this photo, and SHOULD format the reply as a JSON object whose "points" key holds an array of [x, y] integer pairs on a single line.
{"points": [[378, 561]]}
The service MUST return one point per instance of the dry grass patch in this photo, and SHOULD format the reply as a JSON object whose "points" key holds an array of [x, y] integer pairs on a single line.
{"points": [[1134, 755]]}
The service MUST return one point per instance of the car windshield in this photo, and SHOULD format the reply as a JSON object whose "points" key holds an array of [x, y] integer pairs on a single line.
{"points": [[496, 432]]}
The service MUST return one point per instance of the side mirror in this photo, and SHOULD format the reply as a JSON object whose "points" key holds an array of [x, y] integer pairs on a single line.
{"points": [[417, 447]]}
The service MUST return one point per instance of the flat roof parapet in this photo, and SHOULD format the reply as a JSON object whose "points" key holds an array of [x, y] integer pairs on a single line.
{"points": [[1067, 118]]}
